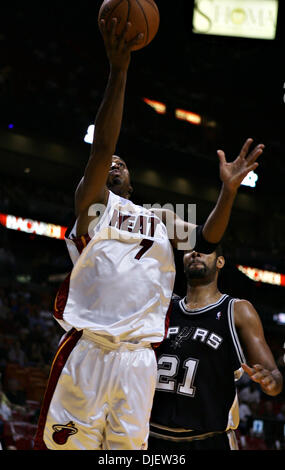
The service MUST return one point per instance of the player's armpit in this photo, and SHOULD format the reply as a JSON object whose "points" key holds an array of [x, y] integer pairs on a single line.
{"points": [[86, 214]]}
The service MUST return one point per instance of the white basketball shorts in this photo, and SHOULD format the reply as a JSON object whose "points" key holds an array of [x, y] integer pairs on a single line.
{"points": [[97, 398]]}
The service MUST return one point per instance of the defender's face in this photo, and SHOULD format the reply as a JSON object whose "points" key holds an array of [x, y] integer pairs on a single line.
{"points": [[199, 265], [119, 178]]}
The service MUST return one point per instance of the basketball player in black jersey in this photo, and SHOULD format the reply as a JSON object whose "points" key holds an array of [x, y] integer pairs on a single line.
{"points": [[195, 405]]}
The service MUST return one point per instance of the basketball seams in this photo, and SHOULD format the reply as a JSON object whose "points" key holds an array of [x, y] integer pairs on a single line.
{"points": [[153, 5], [129, 10], [146, 22]]}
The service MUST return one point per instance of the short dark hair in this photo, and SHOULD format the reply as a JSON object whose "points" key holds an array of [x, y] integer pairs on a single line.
{"points": [[219, 250]]}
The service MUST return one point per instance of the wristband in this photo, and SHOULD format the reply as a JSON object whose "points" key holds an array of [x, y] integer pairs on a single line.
{"points": [[202, 245]]}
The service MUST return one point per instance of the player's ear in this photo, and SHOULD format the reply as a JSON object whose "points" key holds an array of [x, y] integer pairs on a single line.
{"points": [[220, 263]]}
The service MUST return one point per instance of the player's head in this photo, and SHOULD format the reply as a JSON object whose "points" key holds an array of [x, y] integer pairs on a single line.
{"points": [[119, 178], [200, 268]]}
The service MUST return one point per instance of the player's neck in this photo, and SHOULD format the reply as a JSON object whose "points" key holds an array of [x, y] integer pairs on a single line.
{"points": [[120, 193], [201, 295]]}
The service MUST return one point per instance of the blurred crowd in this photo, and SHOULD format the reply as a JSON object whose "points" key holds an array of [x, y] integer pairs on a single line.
{"points": [[262, 418], [27, 322], [29, 337], [26, 198]]}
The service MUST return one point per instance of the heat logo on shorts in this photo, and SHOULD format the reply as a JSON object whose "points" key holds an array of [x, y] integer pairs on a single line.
{"points": [[63, 431]]}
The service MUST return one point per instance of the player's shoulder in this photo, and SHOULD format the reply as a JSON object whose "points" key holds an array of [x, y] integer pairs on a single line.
{"points": [[243, 304], [175, 297], [244, 312], [175, 300]]}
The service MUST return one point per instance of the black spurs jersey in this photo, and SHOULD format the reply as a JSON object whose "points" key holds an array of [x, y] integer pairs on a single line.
{"points": [[198, 363]]}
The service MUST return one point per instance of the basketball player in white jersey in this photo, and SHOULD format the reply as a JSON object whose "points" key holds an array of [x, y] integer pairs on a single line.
{"points": [[113, 304], [210, 334]]}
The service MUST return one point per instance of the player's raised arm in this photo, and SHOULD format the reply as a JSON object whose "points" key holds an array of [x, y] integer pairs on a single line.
{"points": [[211, 232], [92, 187], [231, 174], [261, 365]]}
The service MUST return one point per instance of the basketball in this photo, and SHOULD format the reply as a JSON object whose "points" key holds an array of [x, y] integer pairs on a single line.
{"points": [[142, 14]]}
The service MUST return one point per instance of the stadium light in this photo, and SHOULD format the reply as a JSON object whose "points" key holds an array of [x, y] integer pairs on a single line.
{"points": [[260, 275], [184, 115], [279, 318], [89, 136], [250, 179], [159, 107]]}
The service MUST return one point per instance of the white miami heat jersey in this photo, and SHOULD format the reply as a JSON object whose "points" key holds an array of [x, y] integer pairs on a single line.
{"points": [[121, 283]]}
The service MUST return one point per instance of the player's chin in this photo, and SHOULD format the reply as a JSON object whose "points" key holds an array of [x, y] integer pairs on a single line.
{"points": [[116, 188], [195, 273], [115, 182]]}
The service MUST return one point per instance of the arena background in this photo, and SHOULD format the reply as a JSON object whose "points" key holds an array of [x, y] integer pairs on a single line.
{"points": [[53, 71]]}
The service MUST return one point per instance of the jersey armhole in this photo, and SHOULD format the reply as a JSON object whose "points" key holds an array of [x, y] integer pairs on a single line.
{"points": [[235, 338]]}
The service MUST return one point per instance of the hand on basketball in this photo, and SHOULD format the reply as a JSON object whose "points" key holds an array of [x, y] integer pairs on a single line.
{"points": [[263, 376], [117, 48], [233, 173]]}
